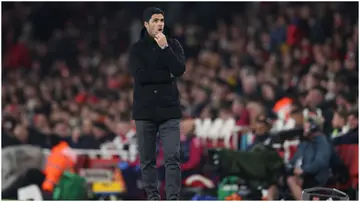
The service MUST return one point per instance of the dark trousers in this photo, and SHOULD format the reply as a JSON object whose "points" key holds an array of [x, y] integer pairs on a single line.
{"points": [[169, 132]]}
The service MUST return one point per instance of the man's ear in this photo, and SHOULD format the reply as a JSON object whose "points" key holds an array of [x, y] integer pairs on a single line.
{"points": [[146, 24]]}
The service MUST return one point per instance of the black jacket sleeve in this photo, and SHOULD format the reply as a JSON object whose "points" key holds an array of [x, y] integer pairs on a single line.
{"points": [[175, 58], [142, 74]]}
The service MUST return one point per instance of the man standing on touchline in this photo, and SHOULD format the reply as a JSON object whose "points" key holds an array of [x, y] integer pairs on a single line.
{"points": [[155, 61]]}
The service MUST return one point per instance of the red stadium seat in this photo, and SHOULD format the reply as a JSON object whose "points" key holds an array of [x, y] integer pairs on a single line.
{"points": [[350, 156]]}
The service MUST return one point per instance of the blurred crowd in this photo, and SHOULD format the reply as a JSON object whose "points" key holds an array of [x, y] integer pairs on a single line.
{"points": [[65, 75]]}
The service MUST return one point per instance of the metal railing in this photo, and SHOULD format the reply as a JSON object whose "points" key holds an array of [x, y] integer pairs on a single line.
{"points": [[322, 193]]}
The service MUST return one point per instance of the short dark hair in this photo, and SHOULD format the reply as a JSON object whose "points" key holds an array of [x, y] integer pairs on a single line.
{"points": [[349, 97], [320, 89], [148, 12], [317, 76], [354, 112], [340, 79], [342, 113], [240, 100]]}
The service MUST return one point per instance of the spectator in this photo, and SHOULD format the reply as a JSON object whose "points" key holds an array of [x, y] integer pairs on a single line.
{"points": [[100, 135], [74, 139], [339, 123], [21, 134], [240, 112], [315, 97], [345, 99], [8, 125], [261, 130], [352, 136], [200, 97], [255, 109], [311, 160], [268, 94], [191, 150]]}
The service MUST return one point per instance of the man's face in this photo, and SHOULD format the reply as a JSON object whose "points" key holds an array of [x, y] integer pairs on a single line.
{"points": [[87, 126], [155, 24], [338, 121], [62, 129], [314, 98], [340, 100], [260, 128], [21, 133], [237, 107], [268, 92], [353, 121], [41, 121]]}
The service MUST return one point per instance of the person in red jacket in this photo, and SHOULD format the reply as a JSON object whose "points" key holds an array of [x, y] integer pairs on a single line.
{"points": [[190, 150]]}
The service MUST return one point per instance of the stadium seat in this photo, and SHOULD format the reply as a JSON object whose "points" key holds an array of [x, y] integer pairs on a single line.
{"points": [[202, 127], [228, 131], [350, 156], [222, 134], [198, 127], [228, 128], [215, 130]]}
